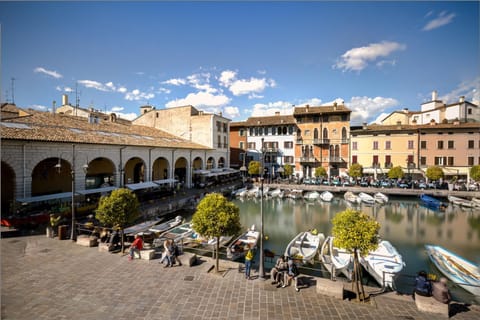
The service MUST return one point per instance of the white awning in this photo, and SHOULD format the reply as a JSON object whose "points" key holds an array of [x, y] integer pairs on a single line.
{"points": [[97, 190], [46, 197], [165, 181], [142, 185]]}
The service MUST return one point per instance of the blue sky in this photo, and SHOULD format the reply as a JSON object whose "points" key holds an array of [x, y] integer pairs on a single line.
{"points": [[240, 58]]}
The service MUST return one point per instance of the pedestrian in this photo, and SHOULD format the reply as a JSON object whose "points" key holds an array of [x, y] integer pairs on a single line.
{"points": [[248, 262], [440, 291], [291, 274], [276, 274], [136, 246], [423, 286], [167, 253], [175, 254]]}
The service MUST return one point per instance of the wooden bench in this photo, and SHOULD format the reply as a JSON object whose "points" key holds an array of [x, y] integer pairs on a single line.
{"points": [[87, 241], [145, 254], [431, 305], [330, 288]]}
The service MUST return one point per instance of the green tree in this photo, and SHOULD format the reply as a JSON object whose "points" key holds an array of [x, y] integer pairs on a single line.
{"points": [[434, 173], [320, 172], [288, 170], [118, 210], [216, 217], [356, 232], [254, 168], [396, 173], [355, 171], [475, 172]]}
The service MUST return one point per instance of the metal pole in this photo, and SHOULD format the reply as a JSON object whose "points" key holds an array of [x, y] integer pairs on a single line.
{"points": [[73, 235], [261, 270]]}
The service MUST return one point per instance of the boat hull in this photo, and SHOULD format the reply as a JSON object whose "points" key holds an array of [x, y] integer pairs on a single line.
{"points": [[304, 246]]}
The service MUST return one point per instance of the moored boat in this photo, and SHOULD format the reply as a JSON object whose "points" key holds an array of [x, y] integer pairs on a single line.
{"points": [[459, 270], [380, 197], [351, 197], [461, 201], [312, 195], [158, 229], [326, 196], [141, 227], [178, 233], [383, 263], [249, 238], [366, 198], [304, 246], [336, 260]]}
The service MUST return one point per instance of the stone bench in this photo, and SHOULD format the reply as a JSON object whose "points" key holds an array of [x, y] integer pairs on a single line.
{"points": [[431, 305], [330, 288], [87, 241], [145, 254]]}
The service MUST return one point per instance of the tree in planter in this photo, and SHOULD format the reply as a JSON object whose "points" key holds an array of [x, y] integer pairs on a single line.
{"points": [[254, 168], [396, 173], [119, 209], [355, 171], [216, 217], [320, 172], [475, 172], [434, 173], [288, 170], [356, 232]]}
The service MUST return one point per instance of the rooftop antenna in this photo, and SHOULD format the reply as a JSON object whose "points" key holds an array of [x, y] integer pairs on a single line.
{"points": [[13, 90], [77, 98]]}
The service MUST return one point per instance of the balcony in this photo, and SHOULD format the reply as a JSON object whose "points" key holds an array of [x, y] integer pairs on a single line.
{"points": [[388, 165], [336, 160], [306, 160], [321, 141], [270, 150]]}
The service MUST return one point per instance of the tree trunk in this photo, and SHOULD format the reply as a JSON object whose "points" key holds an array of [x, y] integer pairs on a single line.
{"points": [[217, 247], [121, 240], [357, 278]]}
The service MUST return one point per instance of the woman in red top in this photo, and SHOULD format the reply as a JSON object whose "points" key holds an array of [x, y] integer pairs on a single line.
{"points": [[136, 246]]}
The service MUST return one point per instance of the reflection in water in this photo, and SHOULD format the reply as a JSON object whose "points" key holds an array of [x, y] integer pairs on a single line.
{"points": [[404, 222]]}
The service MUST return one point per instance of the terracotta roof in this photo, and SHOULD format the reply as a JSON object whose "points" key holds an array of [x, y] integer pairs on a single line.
{"points": [[270, 120], [412, 127], [45, 126], [238, 124], [340, 108]]}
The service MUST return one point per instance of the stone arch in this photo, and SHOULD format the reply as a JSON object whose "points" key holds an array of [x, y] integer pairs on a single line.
{"points": [[221, 162], [180, 171], [160, 169], [8, 188], [197, 163], [100, 173], [51, 175], [210, 163], [344, 134], [134, 171]]}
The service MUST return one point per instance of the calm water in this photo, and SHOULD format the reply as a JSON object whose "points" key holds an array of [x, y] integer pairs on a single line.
{"points": [[404, 222]]}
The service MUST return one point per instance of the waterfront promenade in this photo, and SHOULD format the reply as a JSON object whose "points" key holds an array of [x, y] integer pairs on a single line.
{"points": [[46, 278]]}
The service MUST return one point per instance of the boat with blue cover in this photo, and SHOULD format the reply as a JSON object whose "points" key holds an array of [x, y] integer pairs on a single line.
{"points": [[431, 201]]}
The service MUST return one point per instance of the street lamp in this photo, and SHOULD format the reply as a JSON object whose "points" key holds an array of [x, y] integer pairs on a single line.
{"points": [[261, 270]]}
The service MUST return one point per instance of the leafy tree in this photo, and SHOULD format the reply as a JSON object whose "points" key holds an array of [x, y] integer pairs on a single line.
{"points": [[320, 172], [355, 170], [475, 172], [434, 173], [288, 170], [216, 217], [396, 173], [118, 210], [254, 168], [356, 232]]}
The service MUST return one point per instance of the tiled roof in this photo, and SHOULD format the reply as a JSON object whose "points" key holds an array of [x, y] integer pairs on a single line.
{"points": [[45, 126], [269, 121], [340, 108], [412, 127]]}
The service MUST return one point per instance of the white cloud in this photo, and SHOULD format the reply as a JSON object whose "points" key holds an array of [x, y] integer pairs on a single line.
{"points": [[39, 107], [136, 95], [63, 89], [470, 89], [122, 90], [200, 99], [365, 108], [250, 87], [380, 118], [441, 20], [231, 112], [227, 77], [95, 85], [118, 111], [175, 82], [50, 73], [357, 59], [269, 109]]}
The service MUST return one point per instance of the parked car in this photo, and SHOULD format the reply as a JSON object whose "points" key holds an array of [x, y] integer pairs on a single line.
{"points": [[364, 183]]}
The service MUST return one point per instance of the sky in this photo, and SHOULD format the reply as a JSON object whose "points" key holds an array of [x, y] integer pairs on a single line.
{"points": [[243, 59]]}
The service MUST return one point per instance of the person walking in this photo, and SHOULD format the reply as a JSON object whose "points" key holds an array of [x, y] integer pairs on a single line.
{"points": [[167, 253], [136, 246], [175, 254], [248, 262]]}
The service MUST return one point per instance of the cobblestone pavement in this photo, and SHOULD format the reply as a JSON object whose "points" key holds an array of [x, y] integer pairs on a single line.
{"points": [[46, 278]]}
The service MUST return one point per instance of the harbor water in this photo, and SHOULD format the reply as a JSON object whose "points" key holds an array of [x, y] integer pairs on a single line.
{"points": [[404, 222]]}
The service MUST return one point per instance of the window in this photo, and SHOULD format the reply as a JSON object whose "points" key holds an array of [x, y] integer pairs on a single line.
{"points": [[375, 145], [241, 145], [440, 161], [451, 144], [375, 161], [290, 130], [440, 144], [241, 132], [423, 161], [251, 145], [469, 110], [354, 145], [288, 144], [225, 143], [423, 144], [219, 142], [471, 144], [251, 131], [354, 159], [219, 126], [388, 161], [288, 159], [224, 127], [256, 131], [450, 161], [388, 145], [470, 161], [410, 144]]}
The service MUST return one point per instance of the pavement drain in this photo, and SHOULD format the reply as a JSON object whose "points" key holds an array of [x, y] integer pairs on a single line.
{"points": [[188, 278]]}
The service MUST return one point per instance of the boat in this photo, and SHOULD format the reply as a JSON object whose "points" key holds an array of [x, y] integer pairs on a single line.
{"points": [[383, 263], [336, 260], [276, 193], [239, 192], [459, 270], [295, 194], [196, 240], [461, 202], [351, 197], [312, 195], [380, 197], [253, 193], [237, 249], [366, 198], [178, 233], [326, 196], [431, 201], [476, 202], [304, 246], [158, 229], [141, 227]]}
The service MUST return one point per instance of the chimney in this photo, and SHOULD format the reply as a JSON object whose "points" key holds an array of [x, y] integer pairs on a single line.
{"points": [[54, 107], [462, 99], [434, 95], [335, 106], [64, 99], [220, 113], [364, 126], [405, 110], [277, 113], [307, 107]]}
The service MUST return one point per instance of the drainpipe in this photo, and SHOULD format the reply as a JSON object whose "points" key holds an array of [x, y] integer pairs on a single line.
{"points": [[24, 170]]}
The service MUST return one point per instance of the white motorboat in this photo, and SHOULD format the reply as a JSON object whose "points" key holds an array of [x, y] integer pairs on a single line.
{"points": [[249, 238], [326, 196], [295, 194], [336, 260], [383, 264], [312, 196], [141, 227], [461, 202], [476, 202], [304, 246], [366, 198], [276, 193], [459, 270], [165, 226], [240, 192], [254, 192], [179, 233], [351, 197], [380, 197]]}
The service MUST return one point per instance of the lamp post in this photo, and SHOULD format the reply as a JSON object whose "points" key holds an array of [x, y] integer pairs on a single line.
{"points": [[261, 270], [243, 169], [73, 235]]}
